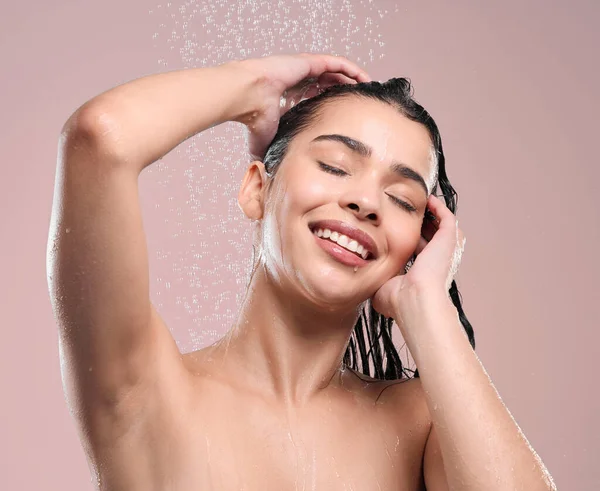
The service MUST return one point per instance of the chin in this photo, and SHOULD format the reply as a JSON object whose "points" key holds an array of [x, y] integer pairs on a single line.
{"points": [[332, 288]]}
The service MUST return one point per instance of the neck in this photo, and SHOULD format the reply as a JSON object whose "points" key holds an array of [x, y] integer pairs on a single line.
{"points": [[283, 346]]}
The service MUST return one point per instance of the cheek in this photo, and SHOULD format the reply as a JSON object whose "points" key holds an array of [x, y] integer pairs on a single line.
{"points": [[307, 191], [287, 205], [403, 241]]}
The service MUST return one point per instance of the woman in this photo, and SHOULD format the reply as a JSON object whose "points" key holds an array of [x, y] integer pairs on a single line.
{"points": [[338, 193]]}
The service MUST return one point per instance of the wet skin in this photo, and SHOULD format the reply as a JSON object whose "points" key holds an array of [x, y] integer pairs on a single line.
{"points": [[267, 407]]}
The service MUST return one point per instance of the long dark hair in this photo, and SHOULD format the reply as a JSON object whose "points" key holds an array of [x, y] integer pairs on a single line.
{"points": [[372, 334]]}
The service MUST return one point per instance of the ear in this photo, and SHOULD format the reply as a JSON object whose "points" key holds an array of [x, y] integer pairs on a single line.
{"points": [[252, 191]]}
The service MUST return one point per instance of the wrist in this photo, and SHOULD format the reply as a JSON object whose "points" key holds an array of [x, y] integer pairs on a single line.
{"points": [[417, 297], [247, 104]]}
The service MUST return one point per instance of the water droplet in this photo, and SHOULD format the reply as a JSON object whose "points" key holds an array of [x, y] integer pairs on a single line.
{"points": [[211, 267]]}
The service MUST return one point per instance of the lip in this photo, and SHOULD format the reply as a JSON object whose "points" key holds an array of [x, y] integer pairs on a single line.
{"points": [[348, 230], [340, 253]]}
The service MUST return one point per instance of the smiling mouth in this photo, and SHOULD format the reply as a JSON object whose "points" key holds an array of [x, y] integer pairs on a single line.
{"points": [[343, 241]]}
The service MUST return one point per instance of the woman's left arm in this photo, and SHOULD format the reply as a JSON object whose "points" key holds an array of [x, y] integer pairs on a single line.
{"points": [[481, 445], [474, 442]]}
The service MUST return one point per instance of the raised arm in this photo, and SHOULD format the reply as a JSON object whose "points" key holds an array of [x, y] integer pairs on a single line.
{"points": [[112, 341], [113, 344]]}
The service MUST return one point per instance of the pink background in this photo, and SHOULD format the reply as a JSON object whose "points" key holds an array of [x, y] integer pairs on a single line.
{"points": [[513, 88]]}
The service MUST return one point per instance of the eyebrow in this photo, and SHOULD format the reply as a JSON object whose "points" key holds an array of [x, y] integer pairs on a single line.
{"points": [[366, 151]]}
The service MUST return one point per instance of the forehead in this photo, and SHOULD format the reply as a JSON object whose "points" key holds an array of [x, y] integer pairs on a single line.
{"points": [[391, 135]]}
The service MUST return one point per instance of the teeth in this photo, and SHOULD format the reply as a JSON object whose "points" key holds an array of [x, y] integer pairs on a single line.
{"points": [[344, 241]]}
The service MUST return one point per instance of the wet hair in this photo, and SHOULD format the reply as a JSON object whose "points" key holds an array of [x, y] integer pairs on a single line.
{"points": [[372, 334]]}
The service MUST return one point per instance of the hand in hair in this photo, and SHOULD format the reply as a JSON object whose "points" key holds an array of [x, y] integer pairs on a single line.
{"points": [[294, 77], [439, 253]]}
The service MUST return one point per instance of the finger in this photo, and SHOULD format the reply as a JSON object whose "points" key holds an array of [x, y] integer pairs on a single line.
{"points": [[352, 70], [330, 79], [310, 87], [444, 217], [320, 63]]}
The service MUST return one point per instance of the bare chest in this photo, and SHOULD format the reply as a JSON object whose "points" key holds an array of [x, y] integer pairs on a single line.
{"points": [[247, 445]]}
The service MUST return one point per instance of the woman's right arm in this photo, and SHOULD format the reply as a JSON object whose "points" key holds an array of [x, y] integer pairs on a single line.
{"points": [[143, 120], [112, 342]]}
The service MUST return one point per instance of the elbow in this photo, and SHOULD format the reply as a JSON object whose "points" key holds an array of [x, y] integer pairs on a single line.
{"points": [[93, 126]]}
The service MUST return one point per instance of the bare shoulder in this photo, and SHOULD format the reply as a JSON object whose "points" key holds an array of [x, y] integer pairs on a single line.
{"points": [[402, 408], [404, 401]]}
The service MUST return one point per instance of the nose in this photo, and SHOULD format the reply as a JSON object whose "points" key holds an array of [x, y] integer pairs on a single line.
{"points": [[363, 203]]}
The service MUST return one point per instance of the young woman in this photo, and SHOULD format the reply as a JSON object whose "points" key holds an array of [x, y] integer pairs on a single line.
{"points": [[347, 233]]}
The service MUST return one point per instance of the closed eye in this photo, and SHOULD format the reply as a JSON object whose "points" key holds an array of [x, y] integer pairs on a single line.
{"points": [[403, 204], [340, 172], [332, 170]]}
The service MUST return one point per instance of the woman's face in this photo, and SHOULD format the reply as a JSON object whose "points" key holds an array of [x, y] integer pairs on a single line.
{"points": [[326, 180]]}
